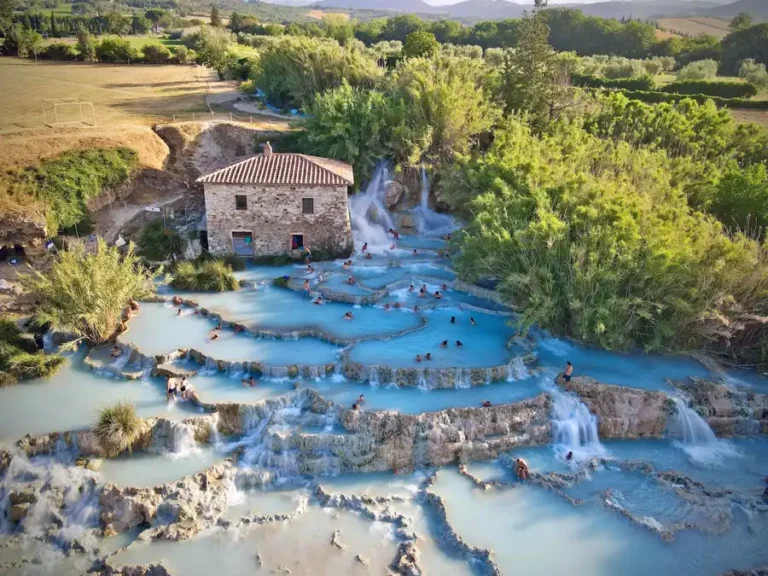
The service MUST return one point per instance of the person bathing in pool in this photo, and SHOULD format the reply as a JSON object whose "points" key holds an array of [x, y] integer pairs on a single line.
{"points": [[348, 316], [170, 389], [411, 288], [418, 357], [521, 469], [249, 381], [444, 344], [459, 344]]}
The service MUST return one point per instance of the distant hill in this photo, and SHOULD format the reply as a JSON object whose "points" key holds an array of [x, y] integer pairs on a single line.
{"points": [[758, 9]]}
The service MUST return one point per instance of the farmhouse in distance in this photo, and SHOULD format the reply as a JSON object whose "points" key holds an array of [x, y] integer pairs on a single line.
{"points": [[273, 204]]}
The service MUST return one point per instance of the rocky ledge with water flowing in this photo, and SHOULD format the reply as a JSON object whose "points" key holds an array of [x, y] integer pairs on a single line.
{"points": [[624, 412], [728, 411]]}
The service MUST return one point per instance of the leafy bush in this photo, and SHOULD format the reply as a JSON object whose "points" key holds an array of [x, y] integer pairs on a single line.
{"points": [[641, 83], [156, 53], [754, 73], [722, 88], [59, 51], [114, 49], [655, 97], [85, 293], [292, 70], [594, 239], [118, 428], [741, 199], [420, 44], [182, 55], [237, 263], [210, 276], [699, 70], [66, 182], [158, 243]]}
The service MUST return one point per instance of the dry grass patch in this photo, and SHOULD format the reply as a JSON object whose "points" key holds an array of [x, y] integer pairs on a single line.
{"points": [[695, 26]]}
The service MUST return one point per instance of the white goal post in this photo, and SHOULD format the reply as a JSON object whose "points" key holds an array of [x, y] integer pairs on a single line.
{"points": [[70, 107]]}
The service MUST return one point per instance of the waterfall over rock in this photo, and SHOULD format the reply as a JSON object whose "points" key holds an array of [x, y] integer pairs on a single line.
{"points": [[370, 219], [429, 222], [696, 437], [574, 427]]}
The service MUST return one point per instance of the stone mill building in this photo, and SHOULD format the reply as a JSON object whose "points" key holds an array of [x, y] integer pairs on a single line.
{"points": [[273, 204]]}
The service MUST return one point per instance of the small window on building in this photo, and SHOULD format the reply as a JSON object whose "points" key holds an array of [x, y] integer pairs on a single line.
{"points": [[308, 205], [297, 241], [241, 202]]}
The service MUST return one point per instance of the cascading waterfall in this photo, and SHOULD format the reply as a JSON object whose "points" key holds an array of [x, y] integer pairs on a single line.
{"points": [[429, 222], [696, 437], [369, 216], [574, 427], [517, 370]]}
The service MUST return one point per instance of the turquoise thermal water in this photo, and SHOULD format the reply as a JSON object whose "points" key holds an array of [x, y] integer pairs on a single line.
{"points": [[484, 344], [158, 329], [71, 399]]}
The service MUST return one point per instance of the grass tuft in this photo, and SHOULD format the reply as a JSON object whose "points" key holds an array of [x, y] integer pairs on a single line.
{"points": [[118, 427], [209, 276]]}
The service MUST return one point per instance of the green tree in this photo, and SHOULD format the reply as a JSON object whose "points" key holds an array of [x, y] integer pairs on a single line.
{"points": [[350, 124], [699, 70], [117, 23], [746, 43], [155, 15], [754, 73], [54, 26], [420, 44], [741, 199], [212, 45], [140, 24], [86, 45], [531, 71], [399, 27], [6, 14], [741, 21], [339, 28], [447, 107], [86, 292], [235, 22], [215, 16]]}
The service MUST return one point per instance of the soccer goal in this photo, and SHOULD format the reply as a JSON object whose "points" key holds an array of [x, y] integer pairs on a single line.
{"points": [[68, 111]]}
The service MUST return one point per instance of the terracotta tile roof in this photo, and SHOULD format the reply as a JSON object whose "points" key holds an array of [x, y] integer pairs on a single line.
{"points": [[284, 169]]}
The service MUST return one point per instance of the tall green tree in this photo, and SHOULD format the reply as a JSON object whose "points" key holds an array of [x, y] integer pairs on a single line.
{"points": [[6, 14], [531, 71], [740, 21], [215, 16], [86, 45]]}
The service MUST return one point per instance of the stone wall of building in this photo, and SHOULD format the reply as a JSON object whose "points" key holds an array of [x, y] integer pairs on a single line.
{"points": [[274, 214]]}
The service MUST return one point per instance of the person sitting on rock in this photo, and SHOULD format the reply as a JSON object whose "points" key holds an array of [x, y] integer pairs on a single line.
{"points": [[116, 351], [428, 356], [459, 343], [170, 389], [444, 344], [239, 328], [355, 407], [418, 357], [251, 381], [133, 304], [360, 400], [521, 469], [348, 316], [568, 371], [487, 404], [177, 301]]}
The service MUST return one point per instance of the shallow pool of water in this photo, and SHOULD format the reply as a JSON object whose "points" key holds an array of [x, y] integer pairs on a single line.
{"points": [[158, 329], [484, 344], [72, 398]]}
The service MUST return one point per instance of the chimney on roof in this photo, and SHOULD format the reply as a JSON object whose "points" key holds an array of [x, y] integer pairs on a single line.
{"points": [[267, 150]]}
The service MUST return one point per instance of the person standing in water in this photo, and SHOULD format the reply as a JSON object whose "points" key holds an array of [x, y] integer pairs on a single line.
{"points": [[568, 371], [170, 389], [521, 469]]}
